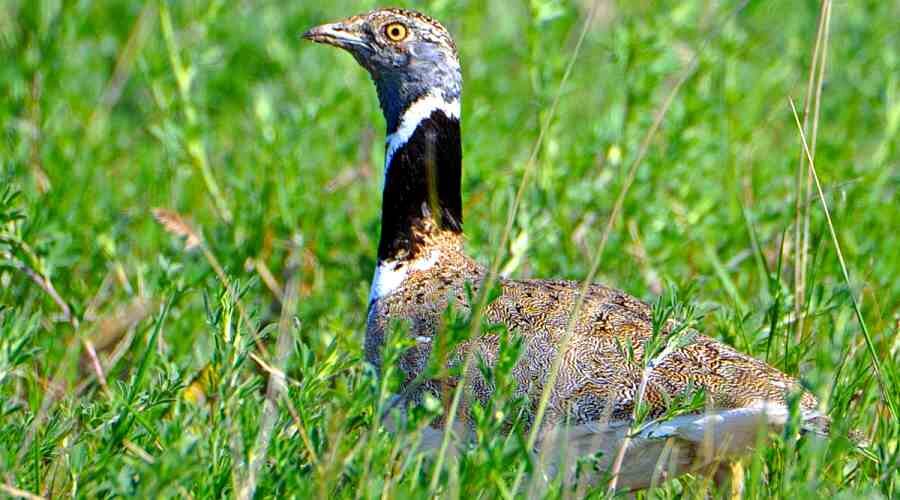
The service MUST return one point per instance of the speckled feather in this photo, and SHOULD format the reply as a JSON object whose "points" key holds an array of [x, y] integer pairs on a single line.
{"points": [[597, 380]]}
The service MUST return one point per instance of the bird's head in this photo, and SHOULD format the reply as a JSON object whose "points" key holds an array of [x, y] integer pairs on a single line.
{"points": [[409, 56]]}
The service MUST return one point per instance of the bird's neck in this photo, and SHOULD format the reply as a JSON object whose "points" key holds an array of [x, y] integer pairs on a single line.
{"points": [[422, 202]]}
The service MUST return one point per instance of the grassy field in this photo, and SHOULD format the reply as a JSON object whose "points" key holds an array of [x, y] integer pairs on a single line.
{"points": [[135, 362]]}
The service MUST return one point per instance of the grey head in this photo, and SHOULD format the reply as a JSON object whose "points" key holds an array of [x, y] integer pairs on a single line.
{"points": [[408, 54]]}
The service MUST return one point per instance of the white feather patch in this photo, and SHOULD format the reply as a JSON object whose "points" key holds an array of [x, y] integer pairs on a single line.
{"points": [[700, 439], [390, 274], [729, 431], [418, 111]]}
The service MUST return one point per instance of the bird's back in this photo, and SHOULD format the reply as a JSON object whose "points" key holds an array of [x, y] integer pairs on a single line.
{"points": [[603, 366]]}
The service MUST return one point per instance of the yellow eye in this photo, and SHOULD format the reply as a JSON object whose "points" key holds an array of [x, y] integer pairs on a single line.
{"points": [[395, 32]]}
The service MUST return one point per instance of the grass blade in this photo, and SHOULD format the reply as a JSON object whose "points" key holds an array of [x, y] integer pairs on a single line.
{"points": [[876, 362]]}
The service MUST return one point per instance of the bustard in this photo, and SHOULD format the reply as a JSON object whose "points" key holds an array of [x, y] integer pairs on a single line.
{"points": [[423, 268]]}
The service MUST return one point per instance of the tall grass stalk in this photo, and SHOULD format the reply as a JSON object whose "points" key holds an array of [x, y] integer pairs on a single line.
{"points": [[804, 179], [883, 384]]}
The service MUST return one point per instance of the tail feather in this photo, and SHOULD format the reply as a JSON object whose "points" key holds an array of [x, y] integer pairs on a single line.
{"points": [[683, 444], [696, 443]]}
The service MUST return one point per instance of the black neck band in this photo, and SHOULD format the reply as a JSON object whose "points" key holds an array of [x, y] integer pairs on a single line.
{"points": [[422, 187]]}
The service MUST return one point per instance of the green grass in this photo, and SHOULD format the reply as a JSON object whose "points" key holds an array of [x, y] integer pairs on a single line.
{"points": [[271, 148]]}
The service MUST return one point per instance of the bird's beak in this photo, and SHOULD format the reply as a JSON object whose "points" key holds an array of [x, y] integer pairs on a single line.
{"points": [[339, 34]]}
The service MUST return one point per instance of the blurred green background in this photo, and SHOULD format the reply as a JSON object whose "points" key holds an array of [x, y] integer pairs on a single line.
{"points": [[272, 148]]}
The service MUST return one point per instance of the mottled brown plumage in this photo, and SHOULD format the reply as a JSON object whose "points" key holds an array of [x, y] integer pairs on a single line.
{"points": [[597, 380]]}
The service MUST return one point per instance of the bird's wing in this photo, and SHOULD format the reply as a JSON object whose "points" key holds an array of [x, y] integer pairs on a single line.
{"points": [[661, 450]]}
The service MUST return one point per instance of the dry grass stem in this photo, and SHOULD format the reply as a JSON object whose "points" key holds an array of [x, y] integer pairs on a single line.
{"points": [[14, 492], [175, 224], [45, 284], [876, 362], [124, 64], [276, 387], [95, 364], [803, 180]]}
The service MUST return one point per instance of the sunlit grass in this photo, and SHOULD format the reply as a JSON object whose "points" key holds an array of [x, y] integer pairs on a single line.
{"points": [[133, 362]]}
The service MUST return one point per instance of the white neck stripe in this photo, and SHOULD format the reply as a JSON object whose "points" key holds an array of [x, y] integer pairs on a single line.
{"points": [[418, 111], [390, 274]]}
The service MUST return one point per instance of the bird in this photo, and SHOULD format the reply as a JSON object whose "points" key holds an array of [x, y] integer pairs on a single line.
{"points": [[606, 359]]}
